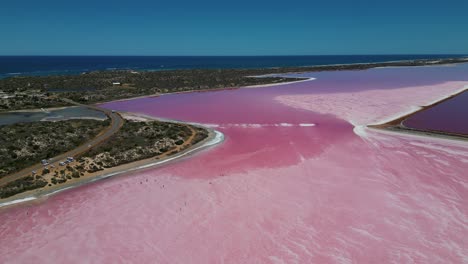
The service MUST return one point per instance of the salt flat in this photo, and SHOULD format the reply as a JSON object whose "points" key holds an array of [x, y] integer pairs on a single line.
{"points": [[272, 192]]}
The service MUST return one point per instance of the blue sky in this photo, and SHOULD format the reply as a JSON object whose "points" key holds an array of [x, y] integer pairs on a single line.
{"points": [[52, 27]]}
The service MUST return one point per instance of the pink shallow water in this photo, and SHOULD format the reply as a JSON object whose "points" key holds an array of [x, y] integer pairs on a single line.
{"points": [[278, 190]]}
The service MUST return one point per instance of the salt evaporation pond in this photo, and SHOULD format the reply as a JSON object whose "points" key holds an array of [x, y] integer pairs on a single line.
{"points": [[299, 179], [450, 116]]}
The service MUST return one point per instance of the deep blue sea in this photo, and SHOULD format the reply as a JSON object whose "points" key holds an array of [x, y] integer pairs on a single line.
{"points": [[54, 65]]}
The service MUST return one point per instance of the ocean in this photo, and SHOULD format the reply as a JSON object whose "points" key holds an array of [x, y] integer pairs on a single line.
{"points": [[63, 65]]}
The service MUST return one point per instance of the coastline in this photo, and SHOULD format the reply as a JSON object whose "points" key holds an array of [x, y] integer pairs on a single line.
{"points": [[37, 109], [416, 109], [398, 117], [428, 58], [394, 123], [276, 84], [72, 118], [214, 137], [280, 71], [433, 135]]}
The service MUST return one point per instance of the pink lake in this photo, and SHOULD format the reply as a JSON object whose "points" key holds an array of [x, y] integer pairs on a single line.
{"points": [[450, 116], [298, 179]]}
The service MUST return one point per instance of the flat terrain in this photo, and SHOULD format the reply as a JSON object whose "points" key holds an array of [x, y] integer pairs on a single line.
{"points": [[141, 140], [449, 116], [275, 190], [133, 141], [101, 86], [443, 118], [25, 144]]}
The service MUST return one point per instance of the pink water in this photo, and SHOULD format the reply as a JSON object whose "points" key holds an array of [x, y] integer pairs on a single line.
{"points": [[278, 189], [450, 116]]}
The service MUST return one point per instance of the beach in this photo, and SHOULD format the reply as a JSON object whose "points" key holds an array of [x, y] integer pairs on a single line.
{"points": [[214, 137]]}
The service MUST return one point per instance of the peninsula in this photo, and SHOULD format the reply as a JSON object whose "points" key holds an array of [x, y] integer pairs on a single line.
{"points": [[70, 152], [32, 92]]}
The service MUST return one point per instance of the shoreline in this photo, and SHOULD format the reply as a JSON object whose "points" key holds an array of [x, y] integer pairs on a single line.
{"points": [[276, 84], [53, 119], [430, 61], [35, 110], [416, 109], [394, 124], [420, 134], [279, 71], [210, 90], [72, 118], [215, 137]]}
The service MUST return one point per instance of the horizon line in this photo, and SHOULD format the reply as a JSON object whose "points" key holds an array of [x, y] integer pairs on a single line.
{"points": [[282, 55]]}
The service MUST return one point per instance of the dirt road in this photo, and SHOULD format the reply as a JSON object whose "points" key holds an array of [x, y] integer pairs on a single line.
{"points": [[116, 123]]}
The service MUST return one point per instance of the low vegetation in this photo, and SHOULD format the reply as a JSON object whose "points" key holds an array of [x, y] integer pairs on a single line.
{"points": [[142, 140], [134, 141], [46, 91], [25, 92], [25, 144], [22, 145], [21, 185]]}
